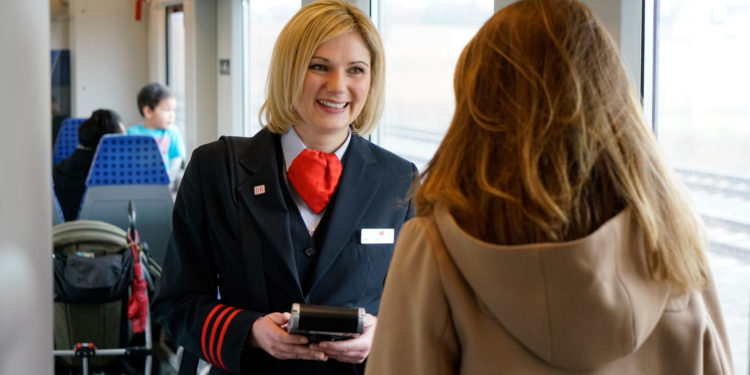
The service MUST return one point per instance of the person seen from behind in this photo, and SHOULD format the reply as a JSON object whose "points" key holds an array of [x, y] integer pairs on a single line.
{"points": [[157, 105], [69, 176], [550, 237], [57, 119]]}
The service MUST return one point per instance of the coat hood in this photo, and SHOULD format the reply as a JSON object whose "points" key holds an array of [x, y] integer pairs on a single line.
{"points": [[577, 305]]}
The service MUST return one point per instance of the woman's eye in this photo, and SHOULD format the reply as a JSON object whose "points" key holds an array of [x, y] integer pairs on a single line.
{"points": [[319, 67], [356, 70]]}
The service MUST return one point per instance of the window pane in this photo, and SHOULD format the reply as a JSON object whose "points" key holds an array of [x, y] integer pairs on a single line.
{"points": [[176, 61], [703, 124], [263, 20], [423, 40]]}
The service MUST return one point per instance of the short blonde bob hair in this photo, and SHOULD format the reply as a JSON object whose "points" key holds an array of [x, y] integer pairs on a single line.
{"points": [[312, 26], [548, 142]]}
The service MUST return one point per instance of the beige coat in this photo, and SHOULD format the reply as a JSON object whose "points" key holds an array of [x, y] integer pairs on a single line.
{"points": [[454, 304]]}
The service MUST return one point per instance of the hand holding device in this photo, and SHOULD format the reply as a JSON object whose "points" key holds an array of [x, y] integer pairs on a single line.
{"points": [[326, 323]]}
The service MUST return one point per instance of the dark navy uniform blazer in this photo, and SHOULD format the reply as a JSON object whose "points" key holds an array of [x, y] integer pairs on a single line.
{"points": [[231, 231]]}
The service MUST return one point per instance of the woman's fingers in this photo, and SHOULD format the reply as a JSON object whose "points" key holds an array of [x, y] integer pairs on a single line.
{"points": [[354, 350], [269, 336]]}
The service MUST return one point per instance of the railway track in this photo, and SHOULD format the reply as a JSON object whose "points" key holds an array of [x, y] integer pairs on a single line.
{"points": [[724, 205]]}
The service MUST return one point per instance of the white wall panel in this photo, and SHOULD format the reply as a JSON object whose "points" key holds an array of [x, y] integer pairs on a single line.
{"points": [[108, 57], [25, 189]]}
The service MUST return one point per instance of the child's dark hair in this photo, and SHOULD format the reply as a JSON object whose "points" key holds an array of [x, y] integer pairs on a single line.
{"points": [[151, 94], [101, 122]]}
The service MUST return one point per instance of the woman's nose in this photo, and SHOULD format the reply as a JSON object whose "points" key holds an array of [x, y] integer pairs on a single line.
{"points": [[336, 81]]}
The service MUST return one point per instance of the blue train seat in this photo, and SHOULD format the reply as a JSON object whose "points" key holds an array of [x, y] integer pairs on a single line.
{"points": [[130, 168], [67, 139]]}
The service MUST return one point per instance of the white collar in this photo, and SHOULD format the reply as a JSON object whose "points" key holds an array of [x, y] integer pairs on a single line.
{"points": [[292, 146]]}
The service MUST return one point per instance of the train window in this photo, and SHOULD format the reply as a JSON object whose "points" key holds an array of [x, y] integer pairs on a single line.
{"points": [[262, 22], [176, 60], [423, 40], [702, 114]]}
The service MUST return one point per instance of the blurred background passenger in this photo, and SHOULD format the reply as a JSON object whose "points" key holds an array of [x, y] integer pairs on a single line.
{"points": [[69, 175], [550, 236], [57, 119], [157, 105]]}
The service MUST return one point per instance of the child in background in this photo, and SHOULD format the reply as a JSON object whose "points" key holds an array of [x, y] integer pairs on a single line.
{"points": [[157, 106]]}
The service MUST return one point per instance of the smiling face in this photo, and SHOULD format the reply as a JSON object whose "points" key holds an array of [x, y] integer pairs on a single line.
{"points": [[335, 88]]}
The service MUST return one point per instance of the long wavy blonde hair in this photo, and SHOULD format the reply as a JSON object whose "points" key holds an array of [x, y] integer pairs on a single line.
{"points": [[548, 142]]}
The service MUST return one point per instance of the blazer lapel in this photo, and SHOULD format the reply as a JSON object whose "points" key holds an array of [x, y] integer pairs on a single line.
{"points": [[262, 196], [356, 189]]}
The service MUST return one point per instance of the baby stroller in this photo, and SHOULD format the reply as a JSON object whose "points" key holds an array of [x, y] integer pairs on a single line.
{"points": [[101, 312]]}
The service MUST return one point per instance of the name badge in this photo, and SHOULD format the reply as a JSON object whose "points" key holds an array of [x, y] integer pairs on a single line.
{"points": [[376, 235]]}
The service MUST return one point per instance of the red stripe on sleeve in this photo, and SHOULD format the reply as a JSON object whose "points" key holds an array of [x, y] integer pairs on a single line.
{"points": [[213, 333], [221, 336], [205, 329]]}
